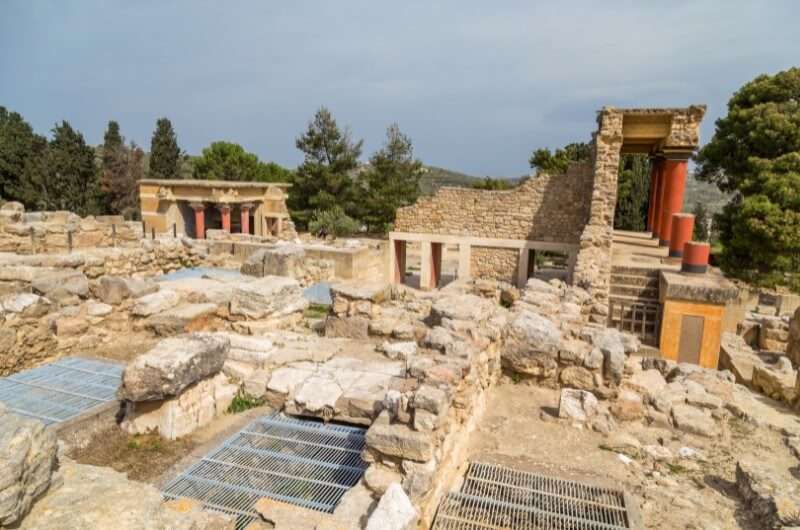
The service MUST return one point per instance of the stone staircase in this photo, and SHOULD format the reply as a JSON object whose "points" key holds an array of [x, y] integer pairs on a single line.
{"points": [[634, 301]]}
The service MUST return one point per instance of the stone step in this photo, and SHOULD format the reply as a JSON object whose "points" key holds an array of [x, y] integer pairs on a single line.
{"points": [[634, 279], [635, 271], [636, 291]]}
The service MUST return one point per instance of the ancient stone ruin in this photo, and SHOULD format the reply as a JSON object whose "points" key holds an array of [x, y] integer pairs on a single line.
{"points": [[213, 369]]}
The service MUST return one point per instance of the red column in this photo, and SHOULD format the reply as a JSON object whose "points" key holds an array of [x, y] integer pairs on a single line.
{"points": [[659, 200], [682, 229], [436, 264], [655, 176], [199, 221], [675, 180], [245, 212], [225, 210], [695, 257], [399, 261]]}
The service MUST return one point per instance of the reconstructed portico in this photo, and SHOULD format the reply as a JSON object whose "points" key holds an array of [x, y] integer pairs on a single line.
{"points": [[193, 206]]}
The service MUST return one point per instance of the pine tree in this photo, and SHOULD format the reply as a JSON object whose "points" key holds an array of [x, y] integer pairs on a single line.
{"points": [[70, 181], [558, 162], [391, 181], [165, 155], [701, 229], [22, 154], [324, 179], [632, 193]]}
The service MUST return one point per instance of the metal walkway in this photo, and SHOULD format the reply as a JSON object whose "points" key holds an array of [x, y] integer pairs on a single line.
{"points": [[301, 462], [61, 390], [495, 497]]}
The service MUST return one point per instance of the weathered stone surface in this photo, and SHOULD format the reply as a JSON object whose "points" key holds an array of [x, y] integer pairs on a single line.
{"points": [[71, 326], [154, 303], [99, 497], [647, 382], [694, 421], [280, 260], [610, 343], [27, 461], [772, 503], [399, 350], [356, 327], [432, 399], [775, 382], [533, 344], [378, 478], [60, 285], [576, 405], [179, 416], [360, 290], [114, 289], [180, 319], [577, 377], [467, 307], [97, 309], [29, 305], [172, 365], [628, 406], [271, 296], [400, 441], [394, 511]]}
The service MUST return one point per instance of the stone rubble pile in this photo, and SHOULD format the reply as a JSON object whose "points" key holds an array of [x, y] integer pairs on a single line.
{"points": [[288, 260], [768, 373]]}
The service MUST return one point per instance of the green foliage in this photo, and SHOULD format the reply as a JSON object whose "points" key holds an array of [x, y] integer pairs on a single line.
{"points": [[22, 154], [755, 153], [229, 161], [165, 155], [701, 230], [434, 178], [70, 180], [391, 181], [558, 162], [244, 401], [122, 166], [488, 183], [633, 192], [324, 179], [316, 311], [333, 221]]}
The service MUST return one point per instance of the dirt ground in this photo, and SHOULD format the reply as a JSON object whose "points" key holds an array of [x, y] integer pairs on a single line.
{"points": [[520, 430]]}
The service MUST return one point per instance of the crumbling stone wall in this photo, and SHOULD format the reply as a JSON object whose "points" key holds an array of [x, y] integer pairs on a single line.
{"points": [[593, 265], [49, 232], [543, 208], [494, 263]]}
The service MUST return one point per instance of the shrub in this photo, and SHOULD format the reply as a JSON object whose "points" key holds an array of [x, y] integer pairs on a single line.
{"points": [[332, 221]]}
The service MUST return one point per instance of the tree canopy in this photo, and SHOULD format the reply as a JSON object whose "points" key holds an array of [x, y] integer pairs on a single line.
{"points": [[488, 183], [165, 155], [324, 179], [755, 153], [556, 163], [71, 178], [633, 190], [230, 161], [22, 153], [391, 181]]}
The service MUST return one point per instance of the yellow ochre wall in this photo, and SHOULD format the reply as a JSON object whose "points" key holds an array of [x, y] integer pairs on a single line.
{"points": [[674, 310]]}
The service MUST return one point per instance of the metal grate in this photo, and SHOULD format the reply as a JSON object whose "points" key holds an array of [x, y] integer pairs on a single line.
{"points": [[61, 390], [642, 319], [302, 462], [495, 497]]}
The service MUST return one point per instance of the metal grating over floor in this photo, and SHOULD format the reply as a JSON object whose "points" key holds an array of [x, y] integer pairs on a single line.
{"points": [[61, 390], [302, 462], [496, 497]]}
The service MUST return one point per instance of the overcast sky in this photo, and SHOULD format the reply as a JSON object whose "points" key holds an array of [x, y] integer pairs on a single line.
{"points": [[476, 84]]}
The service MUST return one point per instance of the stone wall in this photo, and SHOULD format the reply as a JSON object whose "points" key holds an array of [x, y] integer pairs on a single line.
{"points": [[494, 263], [593, 265], [49, 232], [543, 208]]}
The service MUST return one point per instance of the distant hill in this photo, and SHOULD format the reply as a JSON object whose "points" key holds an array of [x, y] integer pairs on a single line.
{"points": [[434, 178]]}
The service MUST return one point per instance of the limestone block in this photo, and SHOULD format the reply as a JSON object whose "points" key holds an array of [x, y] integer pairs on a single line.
{"points": [[271, 296], [649, 383], [60, 285], [27, 462], [172, 365], [533, 345], [378, 478], [577, 377], [577, 405], [694, 421], [98, 309], [154, 303], [375, 292], [628, 406], [356, 327], [432, 399], [394, 511], [71, 326], [181, 319], [399, 350], [400, 441], [179, 416]]}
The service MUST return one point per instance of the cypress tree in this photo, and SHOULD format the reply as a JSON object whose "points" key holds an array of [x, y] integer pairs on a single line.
{"points": [[165, 155], [71, 177]]}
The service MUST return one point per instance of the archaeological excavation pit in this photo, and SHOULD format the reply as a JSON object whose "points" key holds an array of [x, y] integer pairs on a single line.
{"points": [[301, 462], [493, 496], [61, 390]]}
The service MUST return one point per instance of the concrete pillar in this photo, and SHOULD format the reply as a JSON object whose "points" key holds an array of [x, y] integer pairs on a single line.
{"points": [[522, 267], [682, 230], [245, 213], [436, 264], [464, 260], [199, 220], [397, 261], [225, 211], [675, 181], [655, 174], [659, 200]]}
